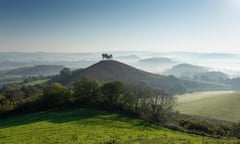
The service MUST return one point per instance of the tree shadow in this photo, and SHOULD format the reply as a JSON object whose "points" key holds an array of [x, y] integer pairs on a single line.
{"points": [[57, 116], [81, 116]]}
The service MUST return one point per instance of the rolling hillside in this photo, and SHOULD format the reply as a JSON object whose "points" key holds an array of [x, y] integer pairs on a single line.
{"points": [[181, 70], [218, 105], [114, 70], [77, 126], [37, 70], [157, 60]]}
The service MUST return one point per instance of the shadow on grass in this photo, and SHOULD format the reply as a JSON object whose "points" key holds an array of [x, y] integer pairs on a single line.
{"points": [[83, 116], [58, 116]]}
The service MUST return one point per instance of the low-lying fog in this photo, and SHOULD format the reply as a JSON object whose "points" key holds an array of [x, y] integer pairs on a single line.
{"points": [[156, 62]]}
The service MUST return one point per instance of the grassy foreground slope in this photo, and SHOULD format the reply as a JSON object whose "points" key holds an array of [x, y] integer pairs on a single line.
{"points": [[218, 105], [89, 126]]}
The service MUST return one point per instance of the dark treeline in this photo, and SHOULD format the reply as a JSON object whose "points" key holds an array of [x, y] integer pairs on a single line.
{"points": [[147, 104]]}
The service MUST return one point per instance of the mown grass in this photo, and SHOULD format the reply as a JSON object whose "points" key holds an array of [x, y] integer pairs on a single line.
{"points": [[86, 126], [217, 105]]}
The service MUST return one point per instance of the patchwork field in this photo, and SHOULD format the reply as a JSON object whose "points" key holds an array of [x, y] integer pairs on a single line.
{"points": [[223, 105], [90, 127]]}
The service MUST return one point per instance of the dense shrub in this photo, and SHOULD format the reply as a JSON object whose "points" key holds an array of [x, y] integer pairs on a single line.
{"points": [[113, 93], [204, 127], [55, 95], [13, 93], [5, 105], [236, 130], [86, 91]]}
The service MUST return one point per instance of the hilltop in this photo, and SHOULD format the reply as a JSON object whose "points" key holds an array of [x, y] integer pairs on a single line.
{"points": [[108, 70], [113, 70]]}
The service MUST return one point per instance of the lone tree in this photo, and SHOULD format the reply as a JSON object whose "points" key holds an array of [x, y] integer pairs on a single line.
{"points": [[107, 56]]}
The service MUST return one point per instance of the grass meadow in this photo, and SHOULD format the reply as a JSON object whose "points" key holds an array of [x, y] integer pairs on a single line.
{"points": [[223, 105], [86, 126]]}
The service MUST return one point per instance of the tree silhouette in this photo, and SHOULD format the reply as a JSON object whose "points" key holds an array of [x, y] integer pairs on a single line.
{"points": [[107, 56]]}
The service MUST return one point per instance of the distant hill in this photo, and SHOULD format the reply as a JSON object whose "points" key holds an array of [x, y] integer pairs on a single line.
{"points": [[4, 65], [182, 70], [157, 60], [44, 70], [155, 64], [213, 76], [197, 73]]}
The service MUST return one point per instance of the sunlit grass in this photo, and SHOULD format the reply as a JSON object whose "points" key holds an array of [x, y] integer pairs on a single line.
{"points": [[89, 126], [218, 105]]}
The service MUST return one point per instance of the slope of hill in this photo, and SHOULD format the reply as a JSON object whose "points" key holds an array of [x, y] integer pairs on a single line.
{"points": [[213, 76], [37, 70], [196, 86], [113, 70], [218, 105], [5, 65], [155, 64], [181, 70], [90, 126]]}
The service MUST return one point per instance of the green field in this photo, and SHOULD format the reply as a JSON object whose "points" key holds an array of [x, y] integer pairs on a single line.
{"points": [[218, 105], [90, 126]]}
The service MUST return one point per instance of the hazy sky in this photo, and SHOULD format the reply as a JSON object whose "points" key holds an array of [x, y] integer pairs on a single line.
{"points": [[113, 25]]}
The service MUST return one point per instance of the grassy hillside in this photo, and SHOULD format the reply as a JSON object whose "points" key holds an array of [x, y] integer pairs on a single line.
{"points": [[37, 70], [89, 126], [219, 105], [108, 70]]}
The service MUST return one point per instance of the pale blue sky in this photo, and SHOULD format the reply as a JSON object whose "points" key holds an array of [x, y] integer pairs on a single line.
{"points": [[114, 25]]}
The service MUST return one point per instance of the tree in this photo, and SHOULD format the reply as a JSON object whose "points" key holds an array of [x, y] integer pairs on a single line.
{"points": [[14, 93], [152, 105], [161, 104], [113, 92], [86, 91], [65, 74], [55, 96], [31, 90], [107, 56], [5, 104]]}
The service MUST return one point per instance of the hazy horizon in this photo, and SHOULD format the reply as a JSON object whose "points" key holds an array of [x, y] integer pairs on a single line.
{"points": [[208, 26]]}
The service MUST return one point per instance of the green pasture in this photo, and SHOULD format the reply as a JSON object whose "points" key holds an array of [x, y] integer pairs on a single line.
{"points": [[223, 105], [86, 126]]}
